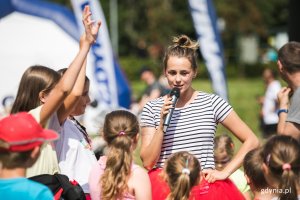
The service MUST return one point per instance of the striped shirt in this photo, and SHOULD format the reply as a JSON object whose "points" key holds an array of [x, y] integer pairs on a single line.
{"points": [[192, 128]]}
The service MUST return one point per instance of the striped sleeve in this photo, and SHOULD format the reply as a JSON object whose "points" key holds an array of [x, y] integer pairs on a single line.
{"points": [[147, 116], [220, 107]]}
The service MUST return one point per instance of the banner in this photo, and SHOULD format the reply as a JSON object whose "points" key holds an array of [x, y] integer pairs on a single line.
{"points": [[211, 47], [106, 71]]}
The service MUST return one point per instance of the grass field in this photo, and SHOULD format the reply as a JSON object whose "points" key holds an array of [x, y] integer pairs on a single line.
{"points": [[242, 97]]}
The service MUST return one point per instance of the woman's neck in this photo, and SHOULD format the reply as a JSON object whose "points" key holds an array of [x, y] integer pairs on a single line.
{"points": [[185, 98]]}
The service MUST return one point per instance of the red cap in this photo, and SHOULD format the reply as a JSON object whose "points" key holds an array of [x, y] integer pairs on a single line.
{"points": [[21, 132]]}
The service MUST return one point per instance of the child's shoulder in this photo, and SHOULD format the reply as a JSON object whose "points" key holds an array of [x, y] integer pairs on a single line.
{"points": [[138, 171]]}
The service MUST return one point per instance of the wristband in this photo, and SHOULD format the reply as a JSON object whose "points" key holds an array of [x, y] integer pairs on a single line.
{"points": [[281, 111]]}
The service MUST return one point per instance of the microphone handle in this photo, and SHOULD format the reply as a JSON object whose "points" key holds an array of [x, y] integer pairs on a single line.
{"points": [[169, 115]]}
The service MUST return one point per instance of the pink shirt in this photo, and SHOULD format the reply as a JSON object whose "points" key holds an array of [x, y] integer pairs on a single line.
{"points": [[96, 173]]}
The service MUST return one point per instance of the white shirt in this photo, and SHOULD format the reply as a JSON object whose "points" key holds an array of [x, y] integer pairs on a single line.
{"points": [[269, 105], [75, 155]]}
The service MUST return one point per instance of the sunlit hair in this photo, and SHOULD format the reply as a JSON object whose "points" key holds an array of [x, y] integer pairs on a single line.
{"points": [[289, 56], [280, 150], [181, 183], [35, 79], [253, 169], [119, 131], [182, 46], [224, 143]]}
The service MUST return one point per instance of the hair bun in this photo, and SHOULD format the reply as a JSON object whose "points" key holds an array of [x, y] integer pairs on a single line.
{"points": [[185, 42]]}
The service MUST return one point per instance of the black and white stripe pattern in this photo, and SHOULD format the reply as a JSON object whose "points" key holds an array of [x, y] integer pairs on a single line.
{"points": [[192, 128]]}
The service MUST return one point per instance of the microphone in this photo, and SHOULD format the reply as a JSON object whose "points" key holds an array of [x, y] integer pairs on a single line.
{"points": [[175, 93]]}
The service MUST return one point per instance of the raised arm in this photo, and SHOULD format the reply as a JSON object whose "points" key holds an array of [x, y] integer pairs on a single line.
{"points": [[72, 99], [66, 83], [249, 141], [284, 127]]}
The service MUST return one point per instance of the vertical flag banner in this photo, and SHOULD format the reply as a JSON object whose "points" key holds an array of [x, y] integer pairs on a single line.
{"points": [[205, 22], [111, 88]]}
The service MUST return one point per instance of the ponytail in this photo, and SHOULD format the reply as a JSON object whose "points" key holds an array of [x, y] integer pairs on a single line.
{"points": [[281, 155], [288, 184], [118, 167], [182, 171], [120, 132], [181, 190]]}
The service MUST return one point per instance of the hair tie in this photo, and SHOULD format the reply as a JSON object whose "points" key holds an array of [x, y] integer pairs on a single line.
{"points": [[268, 159], [186, 171], [286, 166], [121, 133]]}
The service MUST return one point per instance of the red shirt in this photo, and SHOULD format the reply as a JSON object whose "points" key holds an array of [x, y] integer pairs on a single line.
{"points": [[225, 189]]}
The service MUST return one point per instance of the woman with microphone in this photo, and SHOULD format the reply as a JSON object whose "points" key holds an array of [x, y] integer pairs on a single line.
{"points": [[194, 120]]}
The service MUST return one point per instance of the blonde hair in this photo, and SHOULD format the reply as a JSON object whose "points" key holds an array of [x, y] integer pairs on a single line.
{"points": [[182, 170], [278, 151], [224, 143], [119, 131], [182, 46]]}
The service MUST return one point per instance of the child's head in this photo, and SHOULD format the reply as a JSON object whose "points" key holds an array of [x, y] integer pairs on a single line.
{"points": [[20, 139], [120, 131], [281, 156], [182, 172], [36, 83], [84, 99], [224, 149], [254, 171]]}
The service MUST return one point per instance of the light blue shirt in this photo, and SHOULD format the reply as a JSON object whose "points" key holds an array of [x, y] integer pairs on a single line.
{"points": [[22, 188]]}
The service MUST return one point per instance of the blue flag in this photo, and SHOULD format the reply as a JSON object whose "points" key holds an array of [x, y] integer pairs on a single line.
{"points": [[211, 47]]}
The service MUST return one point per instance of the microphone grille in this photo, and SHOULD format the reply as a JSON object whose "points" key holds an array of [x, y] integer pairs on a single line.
{"points": [[175, 91]]}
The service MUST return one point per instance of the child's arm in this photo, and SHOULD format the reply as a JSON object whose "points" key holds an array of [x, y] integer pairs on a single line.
{"points": [[66, 83], [72, 99], [142, 185]]}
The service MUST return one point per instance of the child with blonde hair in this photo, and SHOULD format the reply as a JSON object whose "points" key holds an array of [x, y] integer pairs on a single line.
{"points": [[183, 172], [224, 152], [115, 176]]}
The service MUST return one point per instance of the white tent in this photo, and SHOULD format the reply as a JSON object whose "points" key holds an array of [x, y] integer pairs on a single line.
{"points": [[27, 40]]}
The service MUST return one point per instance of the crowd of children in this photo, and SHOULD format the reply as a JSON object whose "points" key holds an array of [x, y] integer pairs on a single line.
{"points": [[185, 161]]}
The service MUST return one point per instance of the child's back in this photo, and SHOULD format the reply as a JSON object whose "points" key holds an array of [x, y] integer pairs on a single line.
{"points": [[22, 188]]}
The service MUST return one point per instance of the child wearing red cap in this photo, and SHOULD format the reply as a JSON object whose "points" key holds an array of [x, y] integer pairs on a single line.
{"points": [[20, 140]]}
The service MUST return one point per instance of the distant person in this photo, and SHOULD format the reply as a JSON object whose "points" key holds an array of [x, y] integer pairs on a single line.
{"points": [[269, 103], [21, 138], [281, 156], [116, 176], [289, 108], [253, 168], [153, 90]]}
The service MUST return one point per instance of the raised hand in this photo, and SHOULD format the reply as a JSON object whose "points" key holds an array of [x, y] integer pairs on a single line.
{"points": [[91, 28]]}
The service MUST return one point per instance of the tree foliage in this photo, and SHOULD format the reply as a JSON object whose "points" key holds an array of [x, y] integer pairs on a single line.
{"points": [[146, 26]]}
